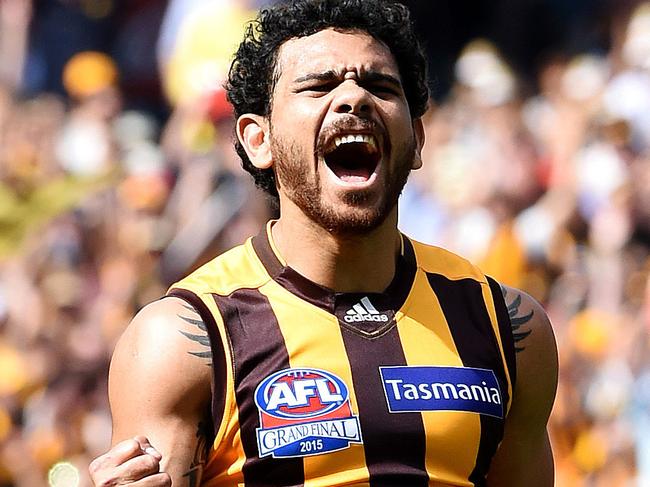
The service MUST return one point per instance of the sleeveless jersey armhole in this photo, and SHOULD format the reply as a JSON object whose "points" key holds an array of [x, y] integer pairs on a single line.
{"points": [[218, 365], [505, 328]]}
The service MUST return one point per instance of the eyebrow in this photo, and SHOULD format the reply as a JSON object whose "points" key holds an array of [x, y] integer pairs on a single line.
{"points": [[329, 75], [366, 77]]}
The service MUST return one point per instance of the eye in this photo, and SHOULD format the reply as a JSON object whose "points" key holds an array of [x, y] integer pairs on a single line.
{"points": [[319, 88], [383, 90], [316, 88]]}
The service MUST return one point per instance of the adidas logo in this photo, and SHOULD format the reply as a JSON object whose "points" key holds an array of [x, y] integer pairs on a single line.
{"points": [[364, 311]]}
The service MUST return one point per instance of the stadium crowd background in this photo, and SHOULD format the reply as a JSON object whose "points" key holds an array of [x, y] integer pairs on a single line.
{"points": [[117, 176]]}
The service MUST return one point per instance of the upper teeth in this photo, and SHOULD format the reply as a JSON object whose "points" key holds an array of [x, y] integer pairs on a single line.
{"points": [[363, 138]]}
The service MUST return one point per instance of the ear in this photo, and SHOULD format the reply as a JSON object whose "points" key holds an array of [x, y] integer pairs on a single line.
{"points": [[418, 130], [253, 134]]}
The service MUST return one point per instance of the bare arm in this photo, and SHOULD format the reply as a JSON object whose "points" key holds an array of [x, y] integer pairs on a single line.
{"points": [[159, 387], [524, 456]]}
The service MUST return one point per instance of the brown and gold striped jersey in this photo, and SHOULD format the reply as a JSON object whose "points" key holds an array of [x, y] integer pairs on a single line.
{"points": [[409, 387]]}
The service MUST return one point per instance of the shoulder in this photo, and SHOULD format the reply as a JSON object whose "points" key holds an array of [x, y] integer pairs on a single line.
{"points": [[436, 260], [236, 268], [525, 440], [165, 353], [536, 353], [160, 385]]}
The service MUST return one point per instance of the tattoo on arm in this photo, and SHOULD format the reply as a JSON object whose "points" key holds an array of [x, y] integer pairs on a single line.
{"points": [[202, 339], [195, 473], [517, 320]]}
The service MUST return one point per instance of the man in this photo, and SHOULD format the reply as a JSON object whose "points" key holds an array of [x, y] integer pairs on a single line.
{"points": [[341, 352]]}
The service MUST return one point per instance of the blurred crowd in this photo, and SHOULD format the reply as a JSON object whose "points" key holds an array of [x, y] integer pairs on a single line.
{"points": [[103, 205]]}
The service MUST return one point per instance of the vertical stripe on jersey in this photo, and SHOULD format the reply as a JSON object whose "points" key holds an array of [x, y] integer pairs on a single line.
{"points": [[452, 437], [464, 308], [258, 350], [322, 348], [394, 444]]}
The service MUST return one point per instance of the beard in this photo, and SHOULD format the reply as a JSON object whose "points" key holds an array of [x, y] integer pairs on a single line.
{"points": [[356, 212]]}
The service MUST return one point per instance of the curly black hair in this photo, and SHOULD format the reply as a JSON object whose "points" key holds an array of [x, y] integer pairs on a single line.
{"points": [[251, 79]]}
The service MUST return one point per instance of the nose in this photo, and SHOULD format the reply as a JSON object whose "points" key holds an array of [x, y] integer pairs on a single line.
{"points": [[352, 99]]}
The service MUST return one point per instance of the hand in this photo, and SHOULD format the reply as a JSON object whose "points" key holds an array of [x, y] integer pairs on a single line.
{"points": [[131, 462]]}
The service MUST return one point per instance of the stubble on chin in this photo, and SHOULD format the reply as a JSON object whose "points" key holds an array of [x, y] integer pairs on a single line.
{"points": [[356, 214]]}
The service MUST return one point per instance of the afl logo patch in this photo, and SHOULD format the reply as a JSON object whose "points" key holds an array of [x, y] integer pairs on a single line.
{"points": [[304, 411]]}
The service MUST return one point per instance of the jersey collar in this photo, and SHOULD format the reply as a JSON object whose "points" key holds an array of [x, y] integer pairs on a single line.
{"points": [[392, 298]]}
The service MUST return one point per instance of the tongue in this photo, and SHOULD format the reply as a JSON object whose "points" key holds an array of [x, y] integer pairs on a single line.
{"points": [[352, 175]]}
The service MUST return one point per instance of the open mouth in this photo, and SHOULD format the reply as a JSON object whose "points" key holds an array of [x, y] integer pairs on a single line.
{"points": [[353, 158]]}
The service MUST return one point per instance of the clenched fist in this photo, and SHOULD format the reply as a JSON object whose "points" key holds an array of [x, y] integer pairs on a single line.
{"points": [[131, 462]]}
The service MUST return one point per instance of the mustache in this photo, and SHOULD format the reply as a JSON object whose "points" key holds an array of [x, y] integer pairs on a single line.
{"points": [[347, 124]]}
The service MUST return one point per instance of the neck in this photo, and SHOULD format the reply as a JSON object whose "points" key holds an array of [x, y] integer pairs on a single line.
{"points": [[358, 263]]}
